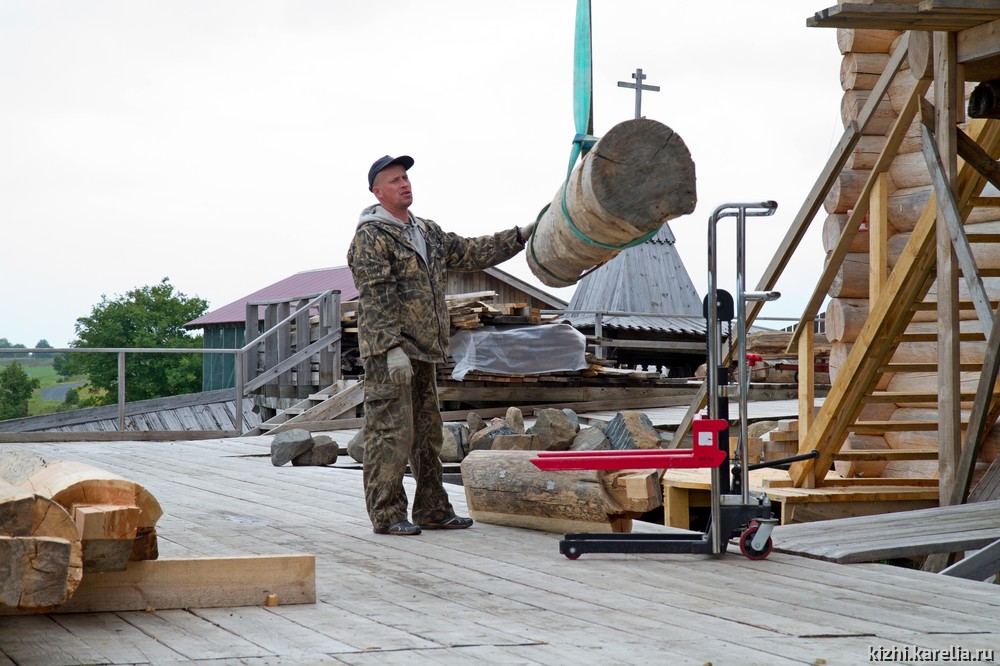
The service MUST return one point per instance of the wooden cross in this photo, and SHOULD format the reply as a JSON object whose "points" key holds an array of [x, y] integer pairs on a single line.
{"points": [[639, 86]]}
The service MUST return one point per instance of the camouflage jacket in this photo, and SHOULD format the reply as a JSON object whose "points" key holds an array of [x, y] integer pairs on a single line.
{"points": [[401, 293]]}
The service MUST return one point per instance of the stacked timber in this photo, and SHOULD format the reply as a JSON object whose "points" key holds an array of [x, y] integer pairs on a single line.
{"points": [[636, 177], [61, 519], [865, 54]]}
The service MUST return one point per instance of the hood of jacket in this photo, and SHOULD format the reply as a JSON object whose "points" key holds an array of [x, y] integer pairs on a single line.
{"points": [[375, 213]]}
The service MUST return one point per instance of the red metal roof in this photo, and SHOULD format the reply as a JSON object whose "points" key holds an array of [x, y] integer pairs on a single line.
{"points": [[306, 283]]}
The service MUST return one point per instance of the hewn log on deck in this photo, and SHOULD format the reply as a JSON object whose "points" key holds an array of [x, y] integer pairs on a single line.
{"points": [[638, 176], [504, 488], [40, 551], [105, 501]]}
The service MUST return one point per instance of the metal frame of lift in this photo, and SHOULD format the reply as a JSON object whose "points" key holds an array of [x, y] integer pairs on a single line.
{"points": [[733, 510]]}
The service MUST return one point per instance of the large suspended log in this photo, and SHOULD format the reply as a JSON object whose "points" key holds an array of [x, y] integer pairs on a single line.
{"points": [[118, 515], [505, 488], [40, 550], [636, 177]]}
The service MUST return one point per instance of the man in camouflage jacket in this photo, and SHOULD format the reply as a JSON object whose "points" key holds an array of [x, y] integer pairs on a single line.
{"points": [[400, 263]]}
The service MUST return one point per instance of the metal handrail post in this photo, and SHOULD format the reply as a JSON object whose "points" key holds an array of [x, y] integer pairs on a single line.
{"points": [[121, 391]]}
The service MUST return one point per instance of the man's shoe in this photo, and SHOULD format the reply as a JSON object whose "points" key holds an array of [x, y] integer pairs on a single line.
{"points": [[400, 528], [453, 523]]}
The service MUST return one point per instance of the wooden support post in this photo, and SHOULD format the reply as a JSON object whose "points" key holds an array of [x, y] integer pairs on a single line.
{"points": [[878, 237], [807, 382], [949, 402], [980, 419], [982, 565]]}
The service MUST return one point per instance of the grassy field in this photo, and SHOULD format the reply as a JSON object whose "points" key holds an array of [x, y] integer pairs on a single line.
{"points": [[42, 370]]}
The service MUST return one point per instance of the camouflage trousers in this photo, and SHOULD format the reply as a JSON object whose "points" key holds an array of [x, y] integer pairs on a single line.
{"points": [[402, 424]]}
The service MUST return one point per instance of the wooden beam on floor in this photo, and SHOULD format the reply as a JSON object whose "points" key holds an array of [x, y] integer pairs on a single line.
{"points": [[211, 582]]}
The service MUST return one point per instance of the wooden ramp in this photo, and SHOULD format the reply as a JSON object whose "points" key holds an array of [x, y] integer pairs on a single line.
{"points": [[946, 529]]}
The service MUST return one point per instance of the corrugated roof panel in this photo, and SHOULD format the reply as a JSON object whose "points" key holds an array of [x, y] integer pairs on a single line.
{"points": [[305, 283], [647, 278], [672, 324]]}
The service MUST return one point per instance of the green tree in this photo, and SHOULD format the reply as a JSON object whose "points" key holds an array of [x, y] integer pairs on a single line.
{"points": [[43, 344], [67, 365], [16, 388], [152, 317], [6, 344]]}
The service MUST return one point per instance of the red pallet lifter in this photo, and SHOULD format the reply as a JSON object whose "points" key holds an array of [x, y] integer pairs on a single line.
{"points": [[734, 510]]}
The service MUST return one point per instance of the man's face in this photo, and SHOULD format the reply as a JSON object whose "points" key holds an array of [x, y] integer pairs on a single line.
{"points": [[392, 188]]}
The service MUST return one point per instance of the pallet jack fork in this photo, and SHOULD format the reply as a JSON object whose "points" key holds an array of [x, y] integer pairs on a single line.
{"points": [[732, 513]]}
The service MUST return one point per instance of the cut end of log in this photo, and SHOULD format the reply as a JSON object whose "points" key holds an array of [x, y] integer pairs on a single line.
{"points": [[637, 177]]}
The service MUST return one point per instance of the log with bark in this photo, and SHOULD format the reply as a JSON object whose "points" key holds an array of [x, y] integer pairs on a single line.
{"points": [[505, 488], [636, 177]]}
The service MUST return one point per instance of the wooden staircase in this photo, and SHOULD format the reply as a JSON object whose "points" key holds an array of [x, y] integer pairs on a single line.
{"points": [[869, 365], [865, 405], [337, 401]]}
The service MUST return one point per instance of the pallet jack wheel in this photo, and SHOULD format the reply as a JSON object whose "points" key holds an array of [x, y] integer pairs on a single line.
{"points": [[573, 554], [746, 544]]}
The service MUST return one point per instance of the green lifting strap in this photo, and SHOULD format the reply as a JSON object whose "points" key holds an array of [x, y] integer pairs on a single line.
{"points": [[583, 84], [583, 118]]}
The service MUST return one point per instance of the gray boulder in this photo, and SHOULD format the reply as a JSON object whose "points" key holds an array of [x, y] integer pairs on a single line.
{"points": [[290, 444]]}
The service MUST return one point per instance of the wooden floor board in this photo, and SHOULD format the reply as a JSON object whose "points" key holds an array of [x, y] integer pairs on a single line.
{"points": [[896, 535], [482, 595], [119, 641], [192, 636], [274, 630]]}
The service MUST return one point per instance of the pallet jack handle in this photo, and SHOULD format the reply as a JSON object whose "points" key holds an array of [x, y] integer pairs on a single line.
{"points": [[740, 211]]}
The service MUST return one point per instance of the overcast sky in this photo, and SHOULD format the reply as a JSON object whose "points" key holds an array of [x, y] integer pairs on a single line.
{"points": [[225, 144]]}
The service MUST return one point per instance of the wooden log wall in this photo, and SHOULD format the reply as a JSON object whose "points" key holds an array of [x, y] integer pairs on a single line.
{"points": [[865, 53]]}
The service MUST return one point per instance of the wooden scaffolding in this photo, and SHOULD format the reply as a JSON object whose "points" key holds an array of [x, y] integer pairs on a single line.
{"points": [[933, 48]]}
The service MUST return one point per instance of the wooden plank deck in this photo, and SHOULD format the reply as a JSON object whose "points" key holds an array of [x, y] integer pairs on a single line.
{"points": [[490, 594], [945, 529]]}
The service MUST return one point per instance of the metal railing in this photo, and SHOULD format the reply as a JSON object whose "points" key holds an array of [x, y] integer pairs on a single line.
{"points": [[272, 345]]}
